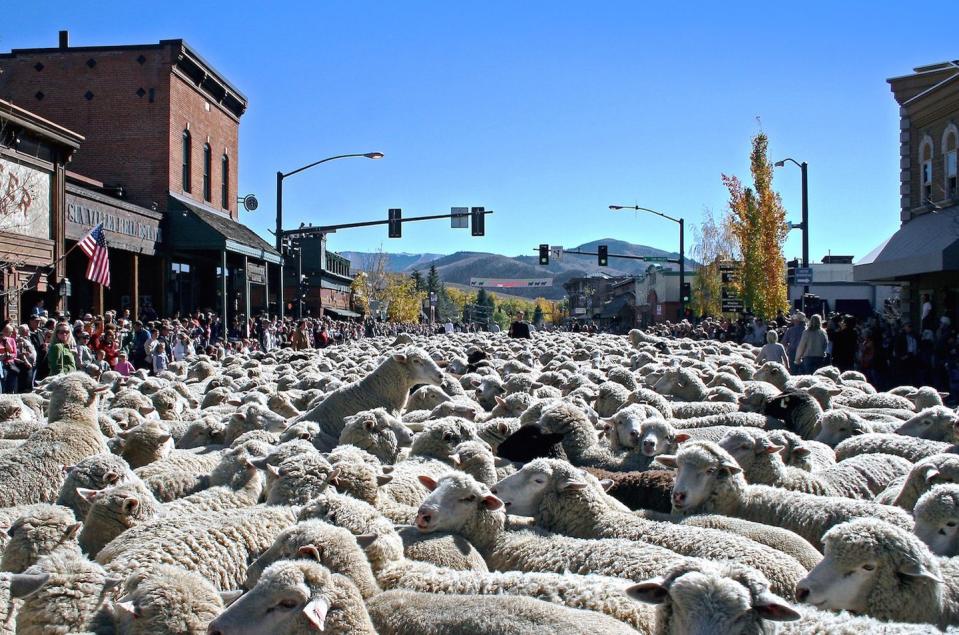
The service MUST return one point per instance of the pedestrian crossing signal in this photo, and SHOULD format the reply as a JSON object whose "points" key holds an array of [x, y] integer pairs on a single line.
{"points": [[396, 223]]}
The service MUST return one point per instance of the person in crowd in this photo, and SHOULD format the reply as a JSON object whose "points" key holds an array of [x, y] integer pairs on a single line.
{"points": [[84, 353], [183, 347], [794, 333], [8, 358], [811, 353], [26, 359], [159, 359], [301, 337], [773, 351], [60, 357], [124, 367], [519, 328], [139, 345], [102, 362]]}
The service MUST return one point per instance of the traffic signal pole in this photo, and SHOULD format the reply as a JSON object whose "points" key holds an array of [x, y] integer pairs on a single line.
{"points": [[682, 268]]}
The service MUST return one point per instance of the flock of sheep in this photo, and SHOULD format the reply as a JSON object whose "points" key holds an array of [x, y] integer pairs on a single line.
{"points": [[478, 484]]}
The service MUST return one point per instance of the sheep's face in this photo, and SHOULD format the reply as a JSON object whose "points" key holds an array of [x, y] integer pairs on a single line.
{"points": [[420, 367], [834, 585], [655, 437], [670, 381], [697, 475], [452, 502], [772, 372], [707, 602], [935, 424], [304, 430], [937, 520], [37, 535], [523, 491], [836, 426], [286, 599]]}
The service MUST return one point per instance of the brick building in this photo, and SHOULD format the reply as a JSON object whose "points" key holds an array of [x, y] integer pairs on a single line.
{"points": [[923, 255], [327, 279], [162, 129]]}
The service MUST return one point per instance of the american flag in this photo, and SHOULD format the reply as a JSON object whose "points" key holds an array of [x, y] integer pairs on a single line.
{"points": [[94, 245]]}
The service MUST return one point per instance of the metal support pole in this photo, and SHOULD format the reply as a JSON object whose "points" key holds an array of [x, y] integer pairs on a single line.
{"points": [[224, 298], [281, 302], [682, 267], [805, 220], [299, 282], [246, 295]]}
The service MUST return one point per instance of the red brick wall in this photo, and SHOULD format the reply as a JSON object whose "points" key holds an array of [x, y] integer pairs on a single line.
{"points": [[208, 123], [129, 140], [126, 135]]}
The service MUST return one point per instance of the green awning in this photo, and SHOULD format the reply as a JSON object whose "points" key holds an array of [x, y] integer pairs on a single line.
{"points": [[342, 313], [194, 227]]}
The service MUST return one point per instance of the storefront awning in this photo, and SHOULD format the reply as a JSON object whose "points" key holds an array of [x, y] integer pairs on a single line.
{"points": [[925, 244], [343, 313], [192, 226], [612, 308]]}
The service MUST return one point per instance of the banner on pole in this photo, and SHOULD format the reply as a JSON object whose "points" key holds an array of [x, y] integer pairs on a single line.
{"points": [[511, 283]]}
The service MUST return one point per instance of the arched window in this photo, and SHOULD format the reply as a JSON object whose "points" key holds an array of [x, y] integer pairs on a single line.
{"points": [[207, 169], [950, 149], [225, 182], [186, 161], [925, 169]]}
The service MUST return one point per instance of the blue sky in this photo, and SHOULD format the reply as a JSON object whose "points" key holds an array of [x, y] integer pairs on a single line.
{"points": [[545, 112]]}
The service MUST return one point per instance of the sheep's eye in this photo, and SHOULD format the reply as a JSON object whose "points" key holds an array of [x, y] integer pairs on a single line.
{"points": [[468, 499], [745, 446], [288, 604], [538, 480], [711, 471], [868, 567], [843, 430], [951, 523]]}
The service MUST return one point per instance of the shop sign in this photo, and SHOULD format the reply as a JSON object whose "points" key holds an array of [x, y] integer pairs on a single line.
{"points": [[24, 200], [125, 229], [256, 274]]}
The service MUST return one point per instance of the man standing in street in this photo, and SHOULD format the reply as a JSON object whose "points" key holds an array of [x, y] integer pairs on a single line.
{"points": [[519, 328]]}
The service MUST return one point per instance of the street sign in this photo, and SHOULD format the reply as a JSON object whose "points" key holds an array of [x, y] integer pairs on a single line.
{"points": [[459, 217], [804, 275], [732, 306], [730, 265], [655, 258], [556, 251]]}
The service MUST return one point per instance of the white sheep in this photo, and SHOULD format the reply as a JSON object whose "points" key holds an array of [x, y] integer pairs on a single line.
{"points": [[909, 448], [710, 481], [937, 520], [561, 499], [166, 600], [877, 569], [33, 473]]}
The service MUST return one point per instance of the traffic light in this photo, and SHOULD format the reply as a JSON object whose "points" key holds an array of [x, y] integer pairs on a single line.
{"points": [[603, 255], [687, 291], [304, 286], [479, 221], [791, 266], [544, 254], [395, 222]]}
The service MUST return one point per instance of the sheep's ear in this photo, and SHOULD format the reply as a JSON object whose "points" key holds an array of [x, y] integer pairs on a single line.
{"points": [[427, 482], [943, 395], [770, 606], [383, 479], [930, 473], [400, 357], [73, 530], [500, 400], [111, 477], [145, 410], [334, 477], [918, 570], [246, 462], [309, 551], [87, 494], [455, 459], [130, 505], [129, 607], [274, 470], [681, 437], [492, 503], [233, 401], [731, 468], [475, 383], [68, 468], [571, 483], [23, 584], [229, 597], [502, 427], [387, 469], [607, 484], [315, 611], [240, 416], [649, 592], [768, 447], [669, 460], [258, 463], [365, 540], [369, 424]]}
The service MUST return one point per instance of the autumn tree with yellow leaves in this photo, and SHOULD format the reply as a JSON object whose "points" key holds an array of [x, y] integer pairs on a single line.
{"points": [[756, 222]]}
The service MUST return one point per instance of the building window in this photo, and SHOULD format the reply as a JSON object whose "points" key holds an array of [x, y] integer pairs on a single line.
{"points": [[225, 182], [925, 169], [950, 147], [186, 161], [207, 168]]}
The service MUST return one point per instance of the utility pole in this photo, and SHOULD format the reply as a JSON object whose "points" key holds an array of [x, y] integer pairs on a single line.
{"points": [[682, 268], [805, 219]]}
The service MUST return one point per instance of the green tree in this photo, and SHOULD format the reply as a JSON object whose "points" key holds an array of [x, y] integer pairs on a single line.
{"points": [[482, 298], [417, 279], [433, 280], [757, 223]]}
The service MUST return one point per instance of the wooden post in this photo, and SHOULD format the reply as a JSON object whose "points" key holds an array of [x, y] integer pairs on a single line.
{"points": [[100, 299], [226, 324], [266, 284], [246, 295], [135, 298]]}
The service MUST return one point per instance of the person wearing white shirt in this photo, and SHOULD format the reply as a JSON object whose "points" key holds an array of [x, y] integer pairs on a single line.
{"points": [[183, 348]]}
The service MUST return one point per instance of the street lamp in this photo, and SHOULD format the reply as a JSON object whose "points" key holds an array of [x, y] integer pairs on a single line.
{"points": [[804, 225], [279, 204], [682, 248]]}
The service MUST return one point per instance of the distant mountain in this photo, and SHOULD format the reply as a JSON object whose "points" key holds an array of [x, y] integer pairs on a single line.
{"points": [[459, 267]]}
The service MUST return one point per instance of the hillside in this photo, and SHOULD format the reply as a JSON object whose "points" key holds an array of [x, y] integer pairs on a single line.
{"points": [[459, 267]]}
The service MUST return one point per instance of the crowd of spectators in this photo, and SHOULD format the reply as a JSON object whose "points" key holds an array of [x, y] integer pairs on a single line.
{"points": [[888, 349]]}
